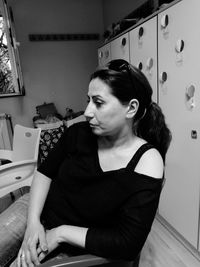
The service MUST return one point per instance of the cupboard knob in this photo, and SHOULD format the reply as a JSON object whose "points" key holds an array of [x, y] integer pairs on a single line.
{"points": [[190, 97], [164, 21], [100, 54], [140, 66], [179, 46], [141, 32], [190, 90], [163, 77], [123, 41], [149, 63]]}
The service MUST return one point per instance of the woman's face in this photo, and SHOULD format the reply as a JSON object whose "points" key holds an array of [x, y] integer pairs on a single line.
{"points": [[104, 112]]}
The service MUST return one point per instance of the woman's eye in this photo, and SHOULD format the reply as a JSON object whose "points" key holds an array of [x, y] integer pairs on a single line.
{"points": [[98, 104]]}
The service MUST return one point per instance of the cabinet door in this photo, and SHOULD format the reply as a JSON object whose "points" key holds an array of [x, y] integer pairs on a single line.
{"points": [[104, 55], [143, 51], [120, 47], [179, 98]]}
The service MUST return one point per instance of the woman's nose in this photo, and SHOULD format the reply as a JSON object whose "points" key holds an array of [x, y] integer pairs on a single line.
{"points": [[88, 111]]}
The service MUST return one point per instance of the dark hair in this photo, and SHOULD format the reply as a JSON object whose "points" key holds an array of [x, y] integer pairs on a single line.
{"points": [[127, 82]]}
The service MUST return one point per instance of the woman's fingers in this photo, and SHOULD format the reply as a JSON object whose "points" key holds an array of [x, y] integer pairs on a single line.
{"points": [[43, 242], [32, 255], [41, 253], [39, 250], [42, 256], [23, 260], [19, 258], [37, 246]]}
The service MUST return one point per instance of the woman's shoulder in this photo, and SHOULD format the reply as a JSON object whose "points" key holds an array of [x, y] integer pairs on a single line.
{"points": [[79, 125], [151, 164], [81, 135], [79, 128]]}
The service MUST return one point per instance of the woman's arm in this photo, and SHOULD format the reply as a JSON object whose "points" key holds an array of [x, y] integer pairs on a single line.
{"points": [[70, 234], [39, 190], [125, 239], [35, 233], [73, 235]]}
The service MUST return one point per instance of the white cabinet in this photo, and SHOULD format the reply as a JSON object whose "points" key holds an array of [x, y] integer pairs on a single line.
{"points": [[179, 98], [104, 55], [143, 51], [166, 48], [120, 47]]}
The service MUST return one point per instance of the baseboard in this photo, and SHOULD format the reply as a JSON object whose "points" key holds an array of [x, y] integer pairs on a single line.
{"points": [[178, 237]]}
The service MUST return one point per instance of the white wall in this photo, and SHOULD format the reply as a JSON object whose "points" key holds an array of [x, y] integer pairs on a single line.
{"points": [[59, 71], [54, 71]]}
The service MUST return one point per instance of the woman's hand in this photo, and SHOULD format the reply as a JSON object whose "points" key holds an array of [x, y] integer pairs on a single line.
{"points": [[52, 240], [34, 238]]}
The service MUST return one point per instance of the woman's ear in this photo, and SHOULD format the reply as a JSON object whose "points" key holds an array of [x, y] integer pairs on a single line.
{"points": [[132, 108]]}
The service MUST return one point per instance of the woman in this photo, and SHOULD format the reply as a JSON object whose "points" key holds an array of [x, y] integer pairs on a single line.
{"points": [[99, 188]]}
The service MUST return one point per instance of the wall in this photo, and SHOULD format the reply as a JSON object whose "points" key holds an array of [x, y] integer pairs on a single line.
{"points": [[115, 10], [54, 71]]}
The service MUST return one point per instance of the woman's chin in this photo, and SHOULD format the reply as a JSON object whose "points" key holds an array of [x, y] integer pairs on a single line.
{"points": [[96, 130]]}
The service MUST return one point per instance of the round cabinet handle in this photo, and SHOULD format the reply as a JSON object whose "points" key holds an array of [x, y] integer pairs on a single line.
{"points": [[190, 96], [140, 66], [179, 46], [123, 41], [164, 21], [149, 63], [141, 32], [190, 90], [106, 54], [163, 77], [100, 54]]}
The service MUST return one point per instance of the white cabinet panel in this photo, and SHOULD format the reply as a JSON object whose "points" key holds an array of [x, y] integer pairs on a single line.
{"points": [[104, 55], [179, 97], [143, 51], [120, 47]]}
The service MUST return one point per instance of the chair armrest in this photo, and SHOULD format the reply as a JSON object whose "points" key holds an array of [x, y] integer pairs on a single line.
{"points": [[15, 175], [77, 261], [17, 164], [6, 154]]}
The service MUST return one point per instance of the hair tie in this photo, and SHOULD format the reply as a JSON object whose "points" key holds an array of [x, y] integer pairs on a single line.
{"points": [[146, 109], [144, 113]]}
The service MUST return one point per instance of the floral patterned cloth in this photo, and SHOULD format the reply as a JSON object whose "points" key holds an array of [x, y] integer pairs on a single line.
{"points": [[48, 139]]}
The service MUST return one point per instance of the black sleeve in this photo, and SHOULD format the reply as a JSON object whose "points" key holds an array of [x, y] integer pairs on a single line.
{"points": [[126, 238], [56, 156]]}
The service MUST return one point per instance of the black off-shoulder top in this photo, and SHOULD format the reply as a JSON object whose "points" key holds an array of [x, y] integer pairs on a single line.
{"points": [[118, 207]]}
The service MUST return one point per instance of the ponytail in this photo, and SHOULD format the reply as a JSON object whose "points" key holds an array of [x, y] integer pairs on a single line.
{"points": [[153, 129]]}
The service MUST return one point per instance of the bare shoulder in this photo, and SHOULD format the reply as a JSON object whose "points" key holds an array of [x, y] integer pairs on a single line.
{"points": [[151, 164]]}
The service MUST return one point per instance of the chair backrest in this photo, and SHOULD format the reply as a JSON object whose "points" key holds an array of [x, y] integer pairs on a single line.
{"points": [[25, 143], [75, 120]]}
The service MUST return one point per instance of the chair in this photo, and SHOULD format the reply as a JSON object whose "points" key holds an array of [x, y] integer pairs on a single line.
{"points": [[19, 172], [68, 123], [90, 260]]}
